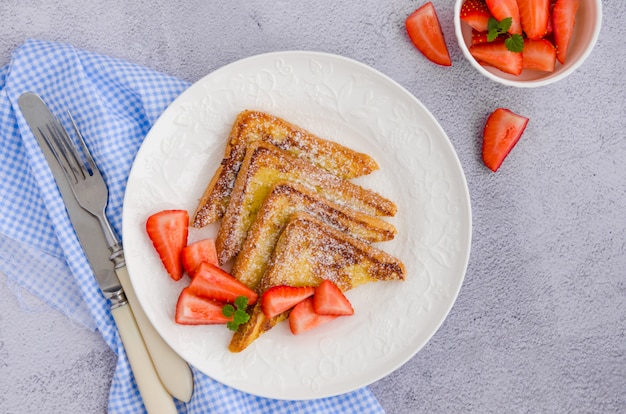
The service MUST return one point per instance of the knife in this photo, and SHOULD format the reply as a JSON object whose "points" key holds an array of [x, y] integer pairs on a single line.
{"points": [[156, 398]]}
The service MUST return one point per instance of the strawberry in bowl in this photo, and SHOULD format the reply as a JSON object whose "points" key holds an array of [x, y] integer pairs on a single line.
{"points": [[527, 43]]}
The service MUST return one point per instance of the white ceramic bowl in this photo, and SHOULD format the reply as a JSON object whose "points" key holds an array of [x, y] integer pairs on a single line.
{"points": [[586, 31]]}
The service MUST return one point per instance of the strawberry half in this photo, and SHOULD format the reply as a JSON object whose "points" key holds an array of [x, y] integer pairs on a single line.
{"points": [[194, 310], [330, 300], [563, 20], [303, 317], [539, 54], [476, 14], [534, 15], [279, 299], [425, 32], [497, 55], [502, 131], [168, 231], [502, 9], [211, 282], [195, 253]]}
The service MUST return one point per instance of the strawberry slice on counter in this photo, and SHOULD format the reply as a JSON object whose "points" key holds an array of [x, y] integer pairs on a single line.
{"points": [[497, 55], [194, 310], [195, 253], [279, 299], [534, 15], [476, 14], [168, 231], [211, 282], [425, 32], [563, 20], [539, 54], [304, 318], [502, 131], [502, 9], [330, 300]]}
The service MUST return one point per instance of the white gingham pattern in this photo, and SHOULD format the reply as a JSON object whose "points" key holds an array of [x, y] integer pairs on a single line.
{"points": [[115, 104]]}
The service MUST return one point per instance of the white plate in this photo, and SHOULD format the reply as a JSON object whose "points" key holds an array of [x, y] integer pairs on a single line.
{"points": [[342, 100]]}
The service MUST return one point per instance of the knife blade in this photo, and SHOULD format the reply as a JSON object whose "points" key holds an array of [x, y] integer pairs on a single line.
{"points": [[155, 397]]}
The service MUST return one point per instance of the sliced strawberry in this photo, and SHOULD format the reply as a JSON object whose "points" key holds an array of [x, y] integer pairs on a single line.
{"points": [[194, 310], [479, 37], [476, 14], [168, 231], [563, 20], [539, 55], [425, 32], [502, 131], [330, 300], [502, 9], [211, 282], [534, 15], [303, 317], [497, 55], [198, 252], [279, 299]]}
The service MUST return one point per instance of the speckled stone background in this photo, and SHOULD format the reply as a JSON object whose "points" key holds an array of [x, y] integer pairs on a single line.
{"points": [[539, 325]]}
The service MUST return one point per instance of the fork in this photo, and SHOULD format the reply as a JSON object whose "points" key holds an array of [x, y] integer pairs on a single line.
{"points": [[91, 192], [86, 181]]}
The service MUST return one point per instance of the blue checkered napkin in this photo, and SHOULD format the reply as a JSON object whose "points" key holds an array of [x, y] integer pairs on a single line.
{"points": [[115, 103]]}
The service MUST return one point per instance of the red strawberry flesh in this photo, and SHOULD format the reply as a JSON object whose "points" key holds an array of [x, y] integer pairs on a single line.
{"points": [[279, 299], [425, 32], [502, 9], [497, 55], [539, 54], [563, 20], [168, 230], [330, 300], [194, 310], [534, 15], [303, 317], [211, 282], [502, 131], [198, 252], [476, 14]]}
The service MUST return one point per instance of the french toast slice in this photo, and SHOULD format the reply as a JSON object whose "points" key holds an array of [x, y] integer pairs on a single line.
{"points": [[307, 252], [251, 126], [264, 165], [284, 199]]}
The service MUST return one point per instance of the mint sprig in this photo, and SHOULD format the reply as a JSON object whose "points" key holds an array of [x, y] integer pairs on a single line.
{"points": [[238, 312], [514, 42]]}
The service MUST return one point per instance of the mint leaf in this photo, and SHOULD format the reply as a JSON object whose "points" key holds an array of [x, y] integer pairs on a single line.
{"points": [[515, 43], [505, 24], [240, 316], [228, 310], [492, 26], [241, 302]]}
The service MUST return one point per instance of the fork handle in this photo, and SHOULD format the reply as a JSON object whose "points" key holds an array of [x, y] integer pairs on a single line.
{"points": [[173, 371], [156, 399]]}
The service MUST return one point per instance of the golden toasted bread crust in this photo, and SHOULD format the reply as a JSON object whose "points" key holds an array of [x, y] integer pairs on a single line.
{"points": [[307, 252], [252, 126], [284, 199], [263, 166]]}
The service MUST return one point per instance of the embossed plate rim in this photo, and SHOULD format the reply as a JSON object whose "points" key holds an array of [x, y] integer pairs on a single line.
{"points": [[336, 97]]}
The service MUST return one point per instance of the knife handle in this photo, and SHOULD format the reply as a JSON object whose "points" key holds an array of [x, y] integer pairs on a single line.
{"points": [[155, 398], [174, 372]]}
